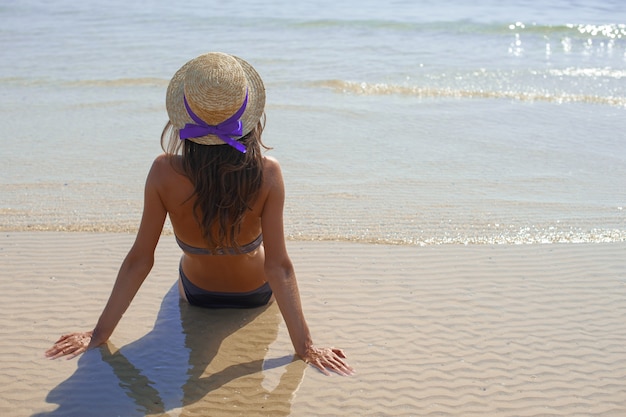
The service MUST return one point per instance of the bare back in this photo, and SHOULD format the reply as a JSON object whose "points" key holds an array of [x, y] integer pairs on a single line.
{"points": [[223, 273]]}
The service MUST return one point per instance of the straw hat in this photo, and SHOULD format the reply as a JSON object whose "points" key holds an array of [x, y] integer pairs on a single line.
{"points": [[215, 86]]}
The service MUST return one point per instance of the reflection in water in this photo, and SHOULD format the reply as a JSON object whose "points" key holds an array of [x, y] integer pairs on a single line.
{"points": [[194, 361]]}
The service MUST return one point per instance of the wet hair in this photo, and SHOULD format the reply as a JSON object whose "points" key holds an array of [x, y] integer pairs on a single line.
{"points": [[226, 182]]}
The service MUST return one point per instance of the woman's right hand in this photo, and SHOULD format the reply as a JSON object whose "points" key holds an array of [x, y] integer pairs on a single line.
{"points": [[71, 345]]}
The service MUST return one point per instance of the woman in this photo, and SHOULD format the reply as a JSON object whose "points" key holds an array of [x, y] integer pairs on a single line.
{"points": [[225, 202]]}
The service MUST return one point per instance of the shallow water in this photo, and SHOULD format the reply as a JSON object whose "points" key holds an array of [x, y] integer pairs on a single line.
{"points": [[412, 123]]}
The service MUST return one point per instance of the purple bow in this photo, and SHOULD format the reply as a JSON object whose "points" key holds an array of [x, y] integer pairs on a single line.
{"points": [[226, 130]]}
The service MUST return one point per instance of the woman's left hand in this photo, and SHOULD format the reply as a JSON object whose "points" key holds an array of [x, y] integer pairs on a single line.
{"points": [[328, 358], [70, 345]]}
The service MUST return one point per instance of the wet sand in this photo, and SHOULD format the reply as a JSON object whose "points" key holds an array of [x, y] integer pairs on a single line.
{"points": [[453, 330]]}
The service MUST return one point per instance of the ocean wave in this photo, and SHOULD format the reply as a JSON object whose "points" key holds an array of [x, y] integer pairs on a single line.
{"points": [[379, 89], [120, 82], [524, 236], [607, 31], [612, 31], [572, 30], [589, 73], [521, 236]]}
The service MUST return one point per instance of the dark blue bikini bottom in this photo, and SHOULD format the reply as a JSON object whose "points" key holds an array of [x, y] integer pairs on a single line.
{"points": [[213, 299]]}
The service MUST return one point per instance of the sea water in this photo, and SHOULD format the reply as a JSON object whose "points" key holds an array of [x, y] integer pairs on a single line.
{"points": [[409, 122]]}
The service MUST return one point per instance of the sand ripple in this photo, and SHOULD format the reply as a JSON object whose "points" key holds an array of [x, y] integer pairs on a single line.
{"points": [[478, 331], [435, 331]]}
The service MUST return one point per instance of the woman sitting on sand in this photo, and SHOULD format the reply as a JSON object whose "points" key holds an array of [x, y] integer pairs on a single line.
{"points": [[225, 202]]}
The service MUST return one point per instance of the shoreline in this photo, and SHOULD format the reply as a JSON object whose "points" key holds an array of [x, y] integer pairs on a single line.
{"points": [[515, 238], [451, 329]]}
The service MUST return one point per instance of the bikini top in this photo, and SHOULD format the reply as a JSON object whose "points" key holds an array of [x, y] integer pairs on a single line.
{"points": [[247, 248]]}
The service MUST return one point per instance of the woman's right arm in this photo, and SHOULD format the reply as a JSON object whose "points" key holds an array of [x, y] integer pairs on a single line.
{"points": [[281, 276], [131, 275]]}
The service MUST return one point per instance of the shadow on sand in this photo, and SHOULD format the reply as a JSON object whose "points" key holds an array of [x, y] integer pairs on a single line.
{"points": [[194, 361]]}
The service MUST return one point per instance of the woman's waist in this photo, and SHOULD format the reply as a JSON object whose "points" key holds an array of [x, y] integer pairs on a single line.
{"points": [[240, 273]]}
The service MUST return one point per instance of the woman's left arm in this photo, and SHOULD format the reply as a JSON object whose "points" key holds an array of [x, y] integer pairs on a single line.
{"points": [[132, 273]]}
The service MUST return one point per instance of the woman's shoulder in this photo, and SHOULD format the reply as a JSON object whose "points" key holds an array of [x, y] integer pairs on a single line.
{"points": [[166, 160], [166, 163], [271, 164], [271, 169], [166, 168]]}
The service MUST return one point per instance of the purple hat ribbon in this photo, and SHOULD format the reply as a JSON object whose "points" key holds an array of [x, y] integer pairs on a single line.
{"points": [[229, 128]]}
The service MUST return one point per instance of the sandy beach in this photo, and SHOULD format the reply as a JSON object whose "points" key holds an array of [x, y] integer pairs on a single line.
{"points": [[455, 208], [529, 330]]}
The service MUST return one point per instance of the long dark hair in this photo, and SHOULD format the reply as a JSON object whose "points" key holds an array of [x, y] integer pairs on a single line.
{"points": [[226, 182]]}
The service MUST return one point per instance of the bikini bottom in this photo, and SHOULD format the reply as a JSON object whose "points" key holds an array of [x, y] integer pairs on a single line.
{"points": [[212, 299]]}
